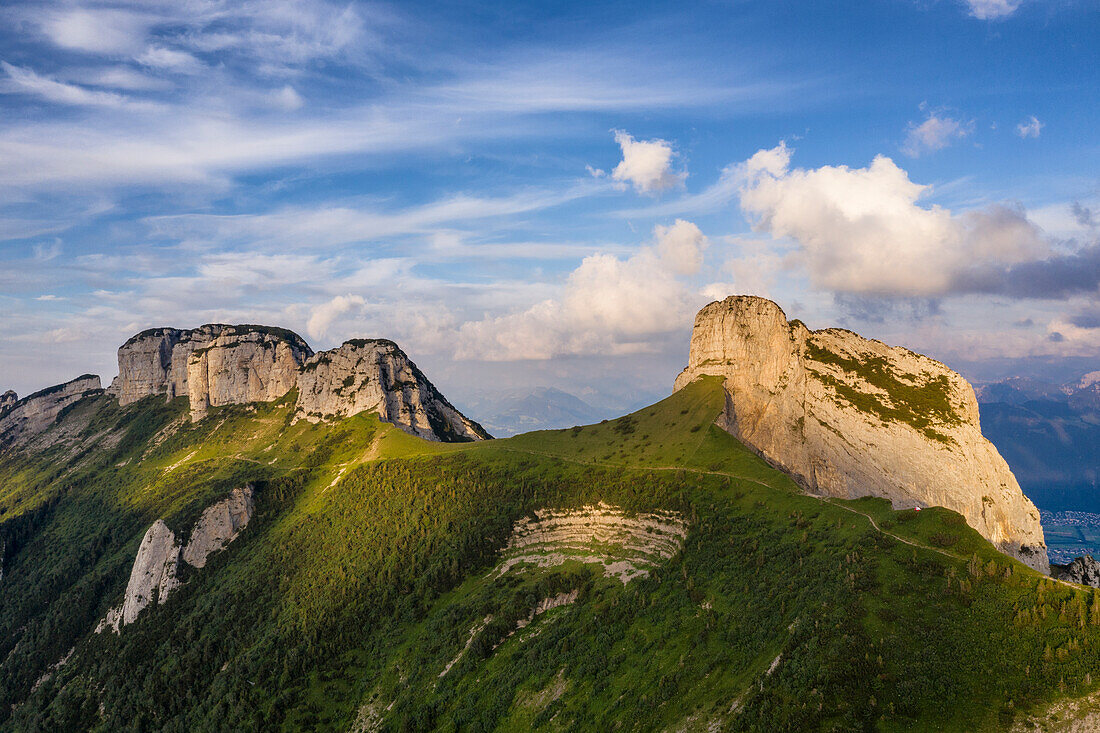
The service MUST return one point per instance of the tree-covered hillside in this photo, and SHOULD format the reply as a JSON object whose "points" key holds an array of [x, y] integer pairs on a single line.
{"points": [[388, 583]]}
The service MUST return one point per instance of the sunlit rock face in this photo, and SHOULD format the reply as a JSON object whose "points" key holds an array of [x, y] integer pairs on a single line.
{"points": [[848, 417], [155, 572], [375, 375], [245, 364], [216, 365], [219, 525], [211, 365], [155, 361], [21, 420]]}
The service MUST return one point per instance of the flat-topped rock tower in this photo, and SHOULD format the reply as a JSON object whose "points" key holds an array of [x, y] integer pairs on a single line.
{"points": [[848, 417], [219, 364]]}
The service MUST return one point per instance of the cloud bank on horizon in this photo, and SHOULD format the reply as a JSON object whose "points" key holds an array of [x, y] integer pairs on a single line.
{"points": [[553, 201]]}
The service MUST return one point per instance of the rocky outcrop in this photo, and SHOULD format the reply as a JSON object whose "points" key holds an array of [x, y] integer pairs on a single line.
{"points": [[218, 365], [376, 376], [25, 418], [850, 417], [626, 547], [1084, 570], [154, 574], [8, 399], [218, 526], [244, 364], [155, 362], [212, 365]]}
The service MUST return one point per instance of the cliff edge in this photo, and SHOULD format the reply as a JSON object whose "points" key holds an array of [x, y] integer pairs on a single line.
{"points": [[848, 417], [218, 364]]}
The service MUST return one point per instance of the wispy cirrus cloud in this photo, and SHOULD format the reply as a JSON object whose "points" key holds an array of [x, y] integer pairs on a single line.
{"points": [[21, 80], [334, 226]]}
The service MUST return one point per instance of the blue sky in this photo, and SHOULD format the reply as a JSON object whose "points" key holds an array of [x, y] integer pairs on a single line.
{"points": [[543, 194]]}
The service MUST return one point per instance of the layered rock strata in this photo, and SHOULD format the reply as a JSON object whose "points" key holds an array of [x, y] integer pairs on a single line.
{"points": [[850, 417], [25, 418], [157, 564], [375, 375], [627, 547], [218, 365]]}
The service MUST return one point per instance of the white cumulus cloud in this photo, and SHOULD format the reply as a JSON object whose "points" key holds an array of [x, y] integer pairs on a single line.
{"points": [[935, 133], [608, 305], [324, 315], [1031, 127], [646, 164], [864, 230], [992, 9], [681, 246]]}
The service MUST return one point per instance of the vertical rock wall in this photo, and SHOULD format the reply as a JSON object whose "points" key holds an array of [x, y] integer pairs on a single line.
{"points": [[849, 417], [376, 376], [217, 365], [243, 366]]}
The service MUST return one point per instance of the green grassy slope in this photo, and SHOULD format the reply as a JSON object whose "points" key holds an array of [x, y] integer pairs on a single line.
{"points": [[369, 568]]}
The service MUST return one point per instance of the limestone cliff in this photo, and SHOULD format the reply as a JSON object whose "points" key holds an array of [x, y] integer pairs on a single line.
{"points": [[157, 563], [154, 571], [212, 365], [218, 365], [376, 376], [849, 417], [7, 400], [218, 526], [155, 361], [1084, 570], [25, 418], [244, 364]]}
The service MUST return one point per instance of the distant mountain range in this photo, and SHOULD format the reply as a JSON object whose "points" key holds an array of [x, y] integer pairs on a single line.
{"points": [[541, 408], [1050, 436]]}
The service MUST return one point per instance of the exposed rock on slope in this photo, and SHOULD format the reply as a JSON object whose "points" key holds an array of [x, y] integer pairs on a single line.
{"points": [[8, 399], [222, 365], [626, 547], [218, 526], [849, 417], [376, 376], [157, 562], [154, 571], [1084, 570], [25, 418]]}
